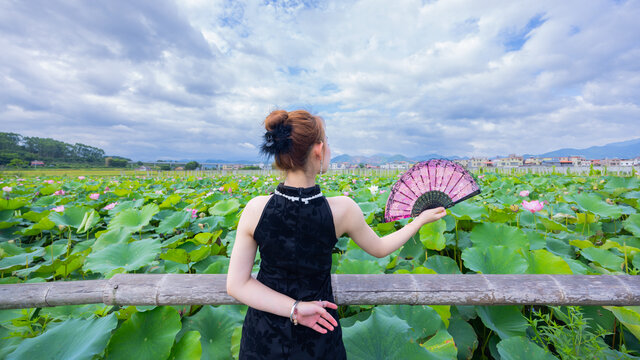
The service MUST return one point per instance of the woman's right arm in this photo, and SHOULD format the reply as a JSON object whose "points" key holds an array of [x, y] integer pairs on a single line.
{"points": [[353, 223]]}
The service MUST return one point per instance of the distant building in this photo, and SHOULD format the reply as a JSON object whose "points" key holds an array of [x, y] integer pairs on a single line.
{"points": [[511, 161], [626, 162], [36, 163], [463, 162], [610, 162]]}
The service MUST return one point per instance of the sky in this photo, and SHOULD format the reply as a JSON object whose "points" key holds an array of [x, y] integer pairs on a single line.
{"points": [[195, 79]]}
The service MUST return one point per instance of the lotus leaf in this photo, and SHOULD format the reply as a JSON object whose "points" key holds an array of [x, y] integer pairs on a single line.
{"points": [[543, 262], [174, 221], [629, 316], [468, 211], [215, 325], [506, 321], [188, 348], [131, 256], [432, 235], [521, 348], [362, 340], [146, 335], [225, 207], [442, 264], [347, 266], [70, 339], [464, 337], [491, 234], [632, 224], [603, 258], [132, 219], [37, 228], [595, 204], [494, 260]]}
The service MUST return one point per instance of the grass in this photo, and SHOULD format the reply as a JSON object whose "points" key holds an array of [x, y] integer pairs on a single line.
{"points": [[71, 172]]}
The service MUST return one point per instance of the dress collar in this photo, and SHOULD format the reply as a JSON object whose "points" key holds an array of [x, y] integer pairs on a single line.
{"points": [[299, 191]]}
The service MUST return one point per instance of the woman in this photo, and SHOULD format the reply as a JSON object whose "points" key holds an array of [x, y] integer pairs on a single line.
{"points": [[296, 229]]}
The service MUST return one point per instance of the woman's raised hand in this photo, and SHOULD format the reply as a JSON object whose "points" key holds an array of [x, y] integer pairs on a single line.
{"points": [[312, 314], [431, 215]]}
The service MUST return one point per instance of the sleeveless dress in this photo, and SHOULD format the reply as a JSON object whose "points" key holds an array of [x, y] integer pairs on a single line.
{"points": [[295, 239]]}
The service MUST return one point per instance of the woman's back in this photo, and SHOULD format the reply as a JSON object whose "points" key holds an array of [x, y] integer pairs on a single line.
{"points": [[295, 236]]}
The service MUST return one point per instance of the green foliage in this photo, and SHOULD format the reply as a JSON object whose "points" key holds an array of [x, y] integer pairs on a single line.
{"points": [[191, 165]]}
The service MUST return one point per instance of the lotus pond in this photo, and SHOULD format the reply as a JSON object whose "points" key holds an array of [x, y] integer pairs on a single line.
{"points": [[62, 229]]}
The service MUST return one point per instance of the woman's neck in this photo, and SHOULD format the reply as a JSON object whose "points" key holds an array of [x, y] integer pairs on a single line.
{"points": [[300, 178]]}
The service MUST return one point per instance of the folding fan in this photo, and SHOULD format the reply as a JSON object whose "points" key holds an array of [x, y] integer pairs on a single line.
{"points": [[427, 185]]}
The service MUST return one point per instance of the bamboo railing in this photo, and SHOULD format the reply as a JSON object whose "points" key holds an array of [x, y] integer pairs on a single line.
{"points": [[356, 289]]}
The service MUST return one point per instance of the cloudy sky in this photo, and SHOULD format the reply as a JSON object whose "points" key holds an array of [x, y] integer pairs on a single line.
{"points": [[195, 79]]}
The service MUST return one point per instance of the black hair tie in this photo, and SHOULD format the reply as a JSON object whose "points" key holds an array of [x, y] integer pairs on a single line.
{"points": [[277, 141]]}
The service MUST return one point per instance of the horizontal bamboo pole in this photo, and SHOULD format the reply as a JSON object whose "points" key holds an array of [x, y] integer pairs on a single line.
{"points": [[355, 289]]}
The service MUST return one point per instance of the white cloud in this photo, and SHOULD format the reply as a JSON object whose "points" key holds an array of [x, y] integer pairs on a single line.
{"points": [[196, 79]]}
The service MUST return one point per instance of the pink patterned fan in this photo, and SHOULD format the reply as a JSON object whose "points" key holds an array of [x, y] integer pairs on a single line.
{"points": [[428, 185]]}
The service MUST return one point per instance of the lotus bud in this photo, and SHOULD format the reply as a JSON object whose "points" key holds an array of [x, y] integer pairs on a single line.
{"points": [[61, 227], [602, 181], [595, 187], [11, 241], [201, 226], [514, 208], [574, 208], [609, 201], [201, 215], [580, 188]]}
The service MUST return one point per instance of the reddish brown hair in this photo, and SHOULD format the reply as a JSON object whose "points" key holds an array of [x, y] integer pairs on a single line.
{"points": [[306, 130]]}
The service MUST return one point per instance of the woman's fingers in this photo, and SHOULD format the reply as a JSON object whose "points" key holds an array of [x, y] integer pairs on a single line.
{"points": [[325, 324]]}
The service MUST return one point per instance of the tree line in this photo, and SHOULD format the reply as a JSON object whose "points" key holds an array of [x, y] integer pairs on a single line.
{"points": [[17, 150]]}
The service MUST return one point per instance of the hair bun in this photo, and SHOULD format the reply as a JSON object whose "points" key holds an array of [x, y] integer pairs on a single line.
{"points": [[276, 117], [278, 139]]}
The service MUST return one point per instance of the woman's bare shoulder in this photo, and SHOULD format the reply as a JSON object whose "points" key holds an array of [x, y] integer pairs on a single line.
{"points": [[341, 205], [252, 211]]}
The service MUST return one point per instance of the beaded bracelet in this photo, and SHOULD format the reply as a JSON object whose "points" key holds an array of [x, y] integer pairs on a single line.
{"points": [[294, 319]]}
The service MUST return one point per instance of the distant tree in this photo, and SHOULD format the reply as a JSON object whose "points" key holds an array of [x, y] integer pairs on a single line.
{"points": [[191, 165], [165, 167], [116, 162], [250, 167], [17, 163], [139, 163], [361, 165]]}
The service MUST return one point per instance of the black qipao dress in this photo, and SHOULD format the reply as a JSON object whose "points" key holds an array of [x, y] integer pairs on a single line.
{"points": [[295, 237]]}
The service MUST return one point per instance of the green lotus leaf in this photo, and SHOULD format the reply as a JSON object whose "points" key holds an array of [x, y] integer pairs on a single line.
{"points": [[174, 221], [131, 256], [464, 337], [49, 189], [72, 216], [432, 235], [47, 201], [225, 207], [551, 225], [604, 258], [146, 335], [424, 320], [629, 316], [506, 321], [543, 262], [188, 348], [215, 325], [441, 346], [595, 204], [492, 234], [133, 219], [12, 204], [494, 260], [362, 340], [111, 237], [413, 248], [632, 224], [180, 256], [442, 264], [20, 259], [200, 253], [348, 266], [71, 339], [368, 207], [37, 228], [170, 201], [468, 210], [521, 348]]}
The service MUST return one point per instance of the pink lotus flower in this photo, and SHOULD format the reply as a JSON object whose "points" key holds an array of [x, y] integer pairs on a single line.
{"points": [[159, 192], [221, 188], [81, 177], [49, 181], [21, 180], [230, 191], [533, 206], [59, 192], [94, 196], [110, 206], [6, 189], [346, 193], [58, 208], [194, 212], [480, 176], [524, 193], [383, 191], [353, 181]]}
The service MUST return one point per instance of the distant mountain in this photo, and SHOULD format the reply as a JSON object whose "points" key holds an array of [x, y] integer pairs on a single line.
{"points": [[623, 150], [378, 159]]}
